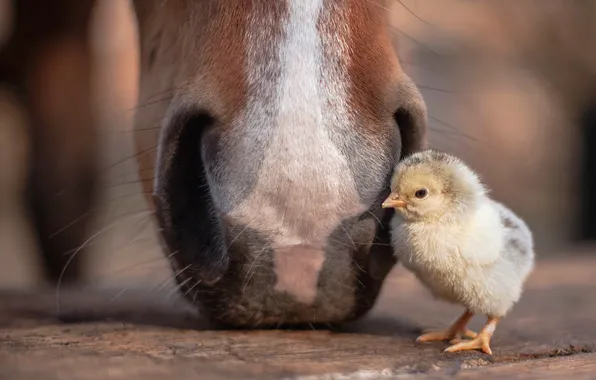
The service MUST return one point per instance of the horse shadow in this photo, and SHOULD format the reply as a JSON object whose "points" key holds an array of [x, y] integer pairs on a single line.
{"points": [[144, 308]]}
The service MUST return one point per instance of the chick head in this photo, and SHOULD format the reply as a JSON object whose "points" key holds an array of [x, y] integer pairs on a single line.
{"points": [[429, 185]]}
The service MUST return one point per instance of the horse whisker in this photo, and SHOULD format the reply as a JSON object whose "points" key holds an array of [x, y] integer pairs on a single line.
{"points": [[136, 265], [72, 257], [176, 274], [374, 216], [192, 287], [348, 235], [414, 14], [118, 295], [178, 287], [248, 273]]}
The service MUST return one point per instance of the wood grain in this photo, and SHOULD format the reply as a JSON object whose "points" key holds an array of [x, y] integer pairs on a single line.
{"points": [[550, 334]]}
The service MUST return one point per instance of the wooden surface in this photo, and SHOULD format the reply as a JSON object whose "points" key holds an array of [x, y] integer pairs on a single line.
{"points": [[550, 334]]}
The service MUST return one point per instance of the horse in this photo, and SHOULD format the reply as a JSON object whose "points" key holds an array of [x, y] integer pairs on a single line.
{"points": [[271, 129]]}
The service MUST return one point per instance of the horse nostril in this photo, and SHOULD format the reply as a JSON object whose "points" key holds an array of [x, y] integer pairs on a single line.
{"points": [[183, 200], [411, 119]]}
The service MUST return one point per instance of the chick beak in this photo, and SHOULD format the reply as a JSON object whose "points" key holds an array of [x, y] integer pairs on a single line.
{"points": [[393, 201]]}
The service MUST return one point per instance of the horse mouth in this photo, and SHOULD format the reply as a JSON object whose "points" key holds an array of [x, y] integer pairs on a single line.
{"points": [[297, 270]]}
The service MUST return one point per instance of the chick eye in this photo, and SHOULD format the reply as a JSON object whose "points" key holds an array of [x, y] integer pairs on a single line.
{"points": [[421, 193]]}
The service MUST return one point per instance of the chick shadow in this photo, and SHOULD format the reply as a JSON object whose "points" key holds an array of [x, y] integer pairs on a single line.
{"points": [[380, 325]]}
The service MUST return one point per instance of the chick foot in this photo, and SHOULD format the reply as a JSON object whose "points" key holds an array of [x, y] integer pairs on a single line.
{"points": [[480, 342], [457, 331]]}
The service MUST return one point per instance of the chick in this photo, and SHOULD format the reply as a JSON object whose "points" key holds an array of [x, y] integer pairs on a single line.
{"points": [[463, 246]]}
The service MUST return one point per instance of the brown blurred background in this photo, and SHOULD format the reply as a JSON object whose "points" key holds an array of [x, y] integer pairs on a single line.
{"points": [[510, 87]]}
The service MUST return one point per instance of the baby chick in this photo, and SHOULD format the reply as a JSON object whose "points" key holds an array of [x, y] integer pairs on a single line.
{"points": [[463, 246]]}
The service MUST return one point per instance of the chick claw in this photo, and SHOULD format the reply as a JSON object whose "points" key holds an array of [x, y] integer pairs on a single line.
{"points": [[482, 342]]}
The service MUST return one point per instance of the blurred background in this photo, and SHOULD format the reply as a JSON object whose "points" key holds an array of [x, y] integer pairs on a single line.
{"points": [[510, 87]]}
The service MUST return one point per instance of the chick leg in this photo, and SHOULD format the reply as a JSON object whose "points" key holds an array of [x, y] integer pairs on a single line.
{"points": [[481, 341], [456, 330]]}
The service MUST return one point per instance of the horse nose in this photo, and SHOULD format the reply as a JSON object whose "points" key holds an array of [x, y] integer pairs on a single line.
{"points": [[183, 203]]}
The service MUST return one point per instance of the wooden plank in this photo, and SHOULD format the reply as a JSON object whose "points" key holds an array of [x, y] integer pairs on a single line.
{"points": [[141, 336], [578, 367]]}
